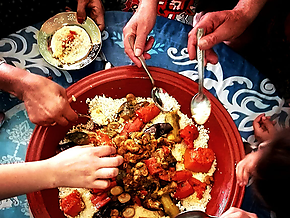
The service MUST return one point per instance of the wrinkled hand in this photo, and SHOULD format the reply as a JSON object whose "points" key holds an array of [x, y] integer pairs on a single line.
{"points": [[218, 27], [234, 212], [45, 101], [85, 166], [139, 26], [245, 168], [264, 128], [92, 8]]}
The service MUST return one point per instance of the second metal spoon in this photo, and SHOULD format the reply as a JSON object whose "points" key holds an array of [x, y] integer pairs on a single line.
{"points": [[200, 105], [158, 94]]}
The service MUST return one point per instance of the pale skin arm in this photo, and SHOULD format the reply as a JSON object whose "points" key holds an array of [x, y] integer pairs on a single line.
{"points": [[92, 8], [45, 101], [234, 212], [223, 26], [139, 26], [86, 166]]}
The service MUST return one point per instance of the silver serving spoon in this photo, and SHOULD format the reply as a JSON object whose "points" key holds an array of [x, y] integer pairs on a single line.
{"points": [[200, 105], [158, 94], [194, 214]]}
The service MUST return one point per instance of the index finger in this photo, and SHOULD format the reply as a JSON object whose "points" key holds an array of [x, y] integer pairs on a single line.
{"points": [[103, 151]]}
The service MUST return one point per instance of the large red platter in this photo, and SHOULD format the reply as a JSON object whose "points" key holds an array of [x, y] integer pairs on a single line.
{"points": [[225, 139]]}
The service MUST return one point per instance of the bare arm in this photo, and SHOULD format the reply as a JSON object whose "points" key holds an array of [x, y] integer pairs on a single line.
{"points": [[45, 101], [86, 166], [140, 25], [223, 26]]}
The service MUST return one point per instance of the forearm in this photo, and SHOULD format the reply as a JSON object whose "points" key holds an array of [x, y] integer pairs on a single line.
{"points": [[148, 5], [250, 8], [22, 178], [11, 79]]}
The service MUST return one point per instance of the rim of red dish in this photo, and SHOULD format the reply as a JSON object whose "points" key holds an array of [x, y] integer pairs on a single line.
{"points": [[160, 75]]}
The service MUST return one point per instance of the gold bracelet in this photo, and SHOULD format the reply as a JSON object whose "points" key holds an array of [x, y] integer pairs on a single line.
{"points": [[2, 61]]}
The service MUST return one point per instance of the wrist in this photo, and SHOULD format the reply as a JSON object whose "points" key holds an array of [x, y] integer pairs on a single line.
{"points": [[249, 9], [12, 79]]}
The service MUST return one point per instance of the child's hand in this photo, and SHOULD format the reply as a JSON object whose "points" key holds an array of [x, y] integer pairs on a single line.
{"points": [[246, 167], [264, 128]]}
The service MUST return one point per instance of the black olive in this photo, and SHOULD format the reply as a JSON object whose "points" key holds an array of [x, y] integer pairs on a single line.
{"points": [[172, 164], [98, 215]]}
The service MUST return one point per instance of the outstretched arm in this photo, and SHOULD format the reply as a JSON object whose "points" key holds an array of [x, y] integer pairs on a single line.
{"points": [[81, 166], [45, 101], [222, 26], [139, 26]]}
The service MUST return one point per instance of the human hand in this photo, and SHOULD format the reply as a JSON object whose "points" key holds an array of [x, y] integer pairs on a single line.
{"points": [[45, 101], [246, 167], [264, 128], [138, 27], [234, 212], [95, 10], [85, 166], [218, 27]]}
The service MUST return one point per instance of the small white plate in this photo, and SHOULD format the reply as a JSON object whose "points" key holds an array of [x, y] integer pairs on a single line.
{"points": [[68, 19]]}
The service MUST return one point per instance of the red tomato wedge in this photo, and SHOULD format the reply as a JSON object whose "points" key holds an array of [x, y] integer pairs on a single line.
{"points": [[134, 126], [199, 160], [184, 189], [189, 134], [148, 113], [72, 204], [152, 166]]}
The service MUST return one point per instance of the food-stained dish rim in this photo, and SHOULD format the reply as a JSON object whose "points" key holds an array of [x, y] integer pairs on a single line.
{"points": [[232, 197], [53, 24]]}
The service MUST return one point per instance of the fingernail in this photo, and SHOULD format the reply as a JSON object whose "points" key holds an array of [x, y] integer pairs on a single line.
{"points": [[202, 43], [138, 52]]}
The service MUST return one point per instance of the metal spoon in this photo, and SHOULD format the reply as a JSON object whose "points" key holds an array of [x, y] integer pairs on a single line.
{"points": [[194, 214], [200, 105], [158, 94]]}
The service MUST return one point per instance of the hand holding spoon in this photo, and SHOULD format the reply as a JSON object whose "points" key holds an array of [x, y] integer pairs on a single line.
{"points": [[158, 94], [200, 105]]}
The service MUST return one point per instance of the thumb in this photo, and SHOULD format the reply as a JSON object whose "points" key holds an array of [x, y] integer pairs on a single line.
{"points": [[81, 11], [210, 40], [140, 43]]}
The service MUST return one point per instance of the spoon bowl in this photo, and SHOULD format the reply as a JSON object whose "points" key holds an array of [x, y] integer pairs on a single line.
{"points": [[194, 214], [158, 94], [200, 105]]}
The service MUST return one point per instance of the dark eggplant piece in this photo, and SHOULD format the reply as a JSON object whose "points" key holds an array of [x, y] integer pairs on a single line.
{"points": [[79, 138], [159, 129]]}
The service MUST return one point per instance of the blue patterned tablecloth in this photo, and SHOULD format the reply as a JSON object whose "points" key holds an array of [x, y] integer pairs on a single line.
{"points": [[243, 91]]}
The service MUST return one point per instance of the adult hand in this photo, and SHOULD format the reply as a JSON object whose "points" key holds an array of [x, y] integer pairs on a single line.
{"points": [[138, 27], [246, 167], [45, 101], [94, 9], [218, 27], [264, 128], [234, 212], [85, 166]]}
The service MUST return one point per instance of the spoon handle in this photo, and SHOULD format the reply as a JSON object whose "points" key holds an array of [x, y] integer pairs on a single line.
{"points": [[141, 59], [200, 61]]}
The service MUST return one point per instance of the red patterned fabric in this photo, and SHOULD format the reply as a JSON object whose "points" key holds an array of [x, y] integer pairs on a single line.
{"points": [[181, 10]]}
